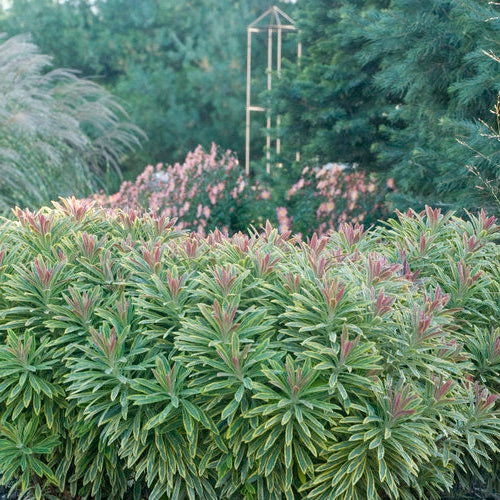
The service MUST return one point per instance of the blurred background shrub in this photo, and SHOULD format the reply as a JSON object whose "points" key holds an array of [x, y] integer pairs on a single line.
{"points": [[325, 197], [209, 190], [206, 191], [383, 84]]}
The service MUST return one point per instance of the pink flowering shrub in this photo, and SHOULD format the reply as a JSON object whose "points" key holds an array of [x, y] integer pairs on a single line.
{"points": [[207, 190], [323, 198]]}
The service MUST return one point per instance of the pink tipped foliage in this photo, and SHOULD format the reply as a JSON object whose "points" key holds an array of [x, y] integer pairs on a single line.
{"points": [[141, 360]]}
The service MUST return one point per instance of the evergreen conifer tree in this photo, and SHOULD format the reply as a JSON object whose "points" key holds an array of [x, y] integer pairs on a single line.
{"points": [[432, 64], [391, 85], [331, 112]]}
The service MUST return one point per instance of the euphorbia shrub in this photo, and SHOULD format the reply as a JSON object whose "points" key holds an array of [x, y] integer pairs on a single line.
{"points": [[141, 361]]}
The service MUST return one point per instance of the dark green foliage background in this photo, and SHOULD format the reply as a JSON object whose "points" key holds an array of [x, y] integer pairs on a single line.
{"points": [[179, 67], [386, 84], [391, 85]]}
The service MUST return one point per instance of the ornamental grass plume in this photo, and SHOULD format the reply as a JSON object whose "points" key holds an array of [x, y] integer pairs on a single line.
{"points": [[59, 132]]}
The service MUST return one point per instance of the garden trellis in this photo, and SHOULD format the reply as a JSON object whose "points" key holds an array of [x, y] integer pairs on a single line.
{"points": [[278, 22]]}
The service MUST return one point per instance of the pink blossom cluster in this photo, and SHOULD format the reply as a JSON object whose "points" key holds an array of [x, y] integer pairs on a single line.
{"points": [[188, 191], [343, 193], [284, 220], [209, 189]]}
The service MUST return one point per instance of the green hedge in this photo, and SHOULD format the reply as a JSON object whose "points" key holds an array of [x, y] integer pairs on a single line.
{"points": [[139, 361]]}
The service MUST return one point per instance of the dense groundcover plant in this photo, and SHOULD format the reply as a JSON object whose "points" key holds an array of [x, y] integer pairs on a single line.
{"points": [[138, 360]]}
